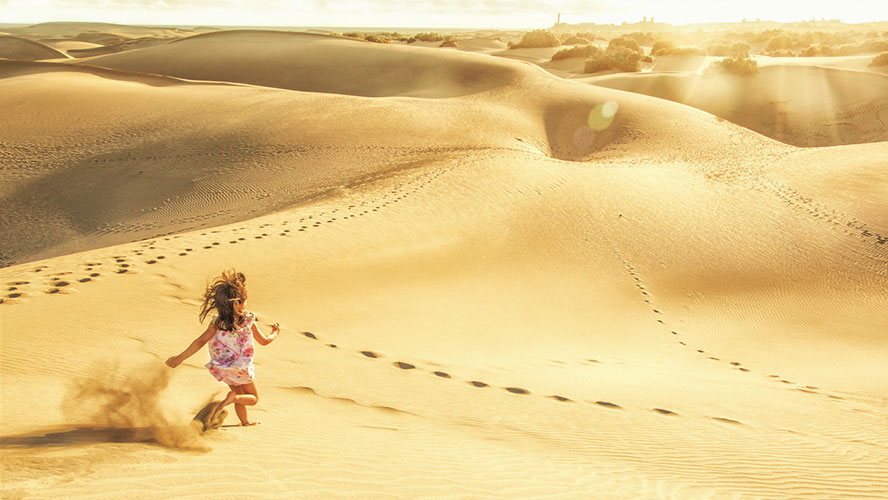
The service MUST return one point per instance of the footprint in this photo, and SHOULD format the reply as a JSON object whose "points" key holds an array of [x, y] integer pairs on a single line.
{"points": [[665, 411], [404, 366], [607, 404], [517, 390], [442, 374], [310, 335], [370, 354], [84, 280], [332, 346], [726, 420], [478, 383], [561, 398]]}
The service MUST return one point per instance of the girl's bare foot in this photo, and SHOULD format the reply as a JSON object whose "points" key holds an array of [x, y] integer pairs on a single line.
{"points": [[245, 424]]}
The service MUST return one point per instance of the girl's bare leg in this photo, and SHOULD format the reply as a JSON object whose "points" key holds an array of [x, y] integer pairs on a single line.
{"points": [[242, 396]]}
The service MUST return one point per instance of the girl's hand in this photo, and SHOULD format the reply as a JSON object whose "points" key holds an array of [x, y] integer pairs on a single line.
{"points": [[173, 361], [276, 328]]}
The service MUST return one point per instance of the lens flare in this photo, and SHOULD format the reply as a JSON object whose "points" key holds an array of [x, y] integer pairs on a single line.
{"points": [[584, 139], [602, 116]]}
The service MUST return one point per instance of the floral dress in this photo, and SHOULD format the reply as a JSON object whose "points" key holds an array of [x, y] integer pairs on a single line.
{"points": [[231, 354]]}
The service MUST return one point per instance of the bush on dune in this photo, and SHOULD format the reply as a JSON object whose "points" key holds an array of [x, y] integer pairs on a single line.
{"points": [[661, 45], [740, 66], [625, 42], [578, 51], [880, 60], [574, 40], [376, 39], [618, 57], [429, 37], [536, 39]]}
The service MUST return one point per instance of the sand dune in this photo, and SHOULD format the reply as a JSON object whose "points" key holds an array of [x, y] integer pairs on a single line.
{"points": [[315, 63], [114, 48], [481, 296], [13, 47], [803, 106]]}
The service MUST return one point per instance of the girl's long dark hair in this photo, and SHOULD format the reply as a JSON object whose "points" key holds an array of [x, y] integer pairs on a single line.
{"points": [[221, 295]]}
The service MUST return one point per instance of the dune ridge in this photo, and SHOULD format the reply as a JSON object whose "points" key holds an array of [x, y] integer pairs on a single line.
{"points": [[13, 47]]}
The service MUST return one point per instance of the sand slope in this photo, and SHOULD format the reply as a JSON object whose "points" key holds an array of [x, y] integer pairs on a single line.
{"points": [[480, 297], [803, 106], [316, 63], [13, 47]]}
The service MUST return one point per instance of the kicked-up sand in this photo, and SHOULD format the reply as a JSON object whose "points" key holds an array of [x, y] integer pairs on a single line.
{"points": [[492, 282]]}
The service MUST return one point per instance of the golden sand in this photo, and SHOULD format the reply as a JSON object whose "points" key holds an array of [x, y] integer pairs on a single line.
{"points": [[483, 293]]}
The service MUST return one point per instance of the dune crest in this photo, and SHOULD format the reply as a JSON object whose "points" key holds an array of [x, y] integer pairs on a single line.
{"points": [[13, 47]]}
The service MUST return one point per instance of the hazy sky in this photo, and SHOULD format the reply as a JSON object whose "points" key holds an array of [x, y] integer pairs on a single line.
{"points": [[424, 13]]}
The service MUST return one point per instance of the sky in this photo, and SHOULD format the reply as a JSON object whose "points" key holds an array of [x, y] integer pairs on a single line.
{"points": [[503, 14]]}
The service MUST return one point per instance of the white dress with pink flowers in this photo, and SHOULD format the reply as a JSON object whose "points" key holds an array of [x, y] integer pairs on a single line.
{"points": [[231, 354]]}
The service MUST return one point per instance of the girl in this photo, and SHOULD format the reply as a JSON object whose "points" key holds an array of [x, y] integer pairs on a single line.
{"points": [[230, 335]]}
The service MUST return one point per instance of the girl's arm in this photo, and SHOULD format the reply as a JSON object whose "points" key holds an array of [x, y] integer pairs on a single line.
{"points": [[195, 346], [261, 338]]}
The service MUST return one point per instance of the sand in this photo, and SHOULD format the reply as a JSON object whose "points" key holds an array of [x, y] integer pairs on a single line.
{"points": [[795, 104], [13, 47], [480, 296]]}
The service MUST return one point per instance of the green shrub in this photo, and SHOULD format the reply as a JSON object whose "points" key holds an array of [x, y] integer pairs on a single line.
{"points": [[596, 63], [575, 40], [662, 45], [578, 51], [376, 39], [741, 66], [429, 37], [449, 42], [625, 58], [625, 42], [352, 34], [880, 60], [621, 58], [536, 39]]}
